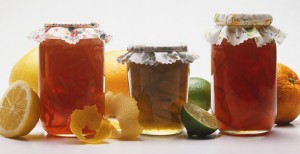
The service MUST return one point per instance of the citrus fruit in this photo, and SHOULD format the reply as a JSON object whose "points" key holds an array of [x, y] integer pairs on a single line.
{"points": [[19, 110], [288, 95], [197, 121], [199, 92], [126, 111], [116, 79], [125, 126], [26, 69], [90, 119]]}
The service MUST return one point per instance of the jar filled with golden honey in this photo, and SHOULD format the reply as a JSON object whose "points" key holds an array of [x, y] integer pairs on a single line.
{"points": [[158, 80], [243, 70], [71, 73]]}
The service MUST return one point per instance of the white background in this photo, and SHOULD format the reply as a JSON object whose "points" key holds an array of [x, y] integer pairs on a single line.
{"points": [[135, 21]]}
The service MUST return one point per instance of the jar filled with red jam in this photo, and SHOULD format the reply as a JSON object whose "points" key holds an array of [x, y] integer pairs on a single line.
{"points": [[158, 80], [71, 73], [243, 71]]}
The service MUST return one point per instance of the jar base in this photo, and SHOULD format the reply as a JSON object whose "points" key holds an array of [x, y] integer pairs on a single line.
{"points": [[67, 135], [245, 132], [63, 135], [156, 132]]}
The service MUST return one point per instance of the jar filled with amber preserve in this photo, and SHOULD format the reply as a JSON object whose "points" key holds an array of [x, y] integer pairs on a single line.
{"points": [[71, 72], [158, 80], [243, 71]]}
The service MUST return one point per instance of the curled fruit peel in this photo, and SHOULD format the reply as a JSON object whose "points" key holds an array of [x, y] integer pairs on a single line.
{"points": [[126, 111], [90, 118]]}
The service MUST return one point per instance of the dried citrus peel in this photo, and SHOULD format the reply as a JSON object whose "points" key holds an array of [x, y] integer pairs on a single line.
{"points": [[90, 118], [126, 111]]}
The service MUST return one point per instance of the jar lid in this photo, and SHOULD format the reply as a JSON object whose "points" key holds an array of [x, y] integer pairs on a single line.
{"points": [[144, 48], [71, 33], [154, 55], [237, 28], [91, 25], [243, 19]]}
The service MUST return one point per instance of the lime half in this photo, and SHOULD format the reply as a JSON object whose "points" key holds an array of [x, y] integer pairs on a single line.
{"points": [[197, 121]]}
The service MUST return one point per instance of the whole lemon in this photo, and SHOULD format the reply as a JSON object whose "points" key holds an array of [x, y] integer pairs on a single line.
{"points": [[116, 79], [26, 69], [288, 95]]}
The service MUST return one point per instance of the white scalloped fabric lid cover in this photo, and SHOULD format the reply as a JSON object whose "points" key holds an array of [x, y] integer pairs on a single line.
{"points": [[149, 55], [70, 33], [237, 28]]}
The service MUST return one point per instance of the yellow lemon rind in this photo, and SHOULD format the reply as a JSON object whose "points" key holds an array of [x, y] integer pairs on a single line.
{"points": [[31, 115], [91, 119], [126, 111]]}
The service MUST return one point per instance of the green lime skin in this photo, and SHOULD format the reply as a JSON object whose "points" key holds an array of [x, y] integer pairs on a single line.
{"points": [[197, 121], [199, 92]]}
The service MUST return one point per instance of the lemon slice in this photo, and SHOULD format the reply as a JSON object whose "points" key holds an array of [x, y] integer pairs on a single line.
{"points": [[90, 118], [197, 121], [19, 110], [126, 111]]}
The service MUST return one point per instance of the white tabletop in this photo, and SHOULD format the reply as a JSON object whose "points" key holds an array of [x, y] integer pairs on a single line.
{"points": [[282, 139], [134, 21]]}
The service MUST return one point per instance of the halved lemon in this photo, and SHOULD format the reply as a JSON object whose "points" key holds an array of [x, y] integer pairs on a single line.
{"points": [[19, 110]]}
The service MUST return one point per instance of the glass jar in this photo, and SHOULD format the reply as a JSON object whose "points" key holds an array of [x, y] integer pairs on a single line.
{"points": [[243, 70], [158, 80], [71, 73]]}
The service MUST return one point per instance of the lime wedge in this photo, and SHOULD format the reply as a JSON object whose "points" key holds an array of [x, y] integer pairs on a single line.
{"points": [[197, 121]]}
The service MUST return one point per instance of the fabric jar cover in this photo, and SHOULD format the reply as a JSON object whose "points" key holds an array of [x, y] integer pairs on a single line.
{"points": [[237, 28], [71, 33], [154, 55]]}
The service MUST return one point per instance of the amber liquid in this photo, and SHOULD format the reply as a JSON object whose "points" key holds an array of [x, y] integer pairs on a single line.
{"points": [[160, 91], [70, 77], [244, 87]]}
